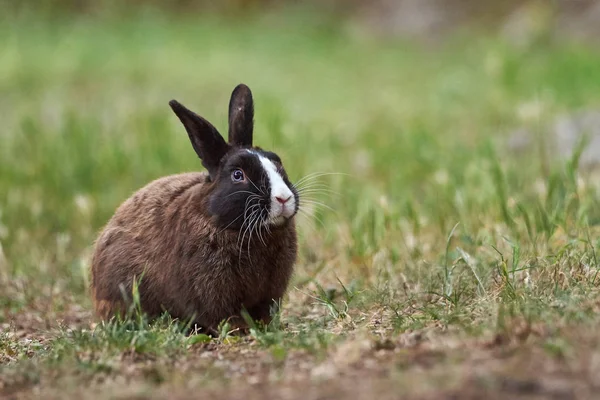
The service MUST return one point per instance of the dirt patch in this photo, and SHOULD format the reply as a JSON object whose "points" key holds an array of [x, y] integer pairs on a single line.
{"points": [[427, 364]]}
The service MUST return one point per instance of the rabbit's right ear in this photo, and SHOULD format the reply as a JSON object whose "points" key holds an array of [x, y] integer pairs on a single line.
{"points": [[241, 116], [206, 140]]}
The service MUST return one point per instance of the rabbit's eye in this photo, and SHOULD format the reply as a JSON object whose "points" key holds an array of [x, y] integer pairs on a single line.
{"points": [[237, 175]]}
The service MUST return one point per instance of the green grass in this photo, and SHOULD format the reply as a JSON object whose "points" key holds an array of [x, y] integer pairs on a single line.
{"points": [[438, 239]]}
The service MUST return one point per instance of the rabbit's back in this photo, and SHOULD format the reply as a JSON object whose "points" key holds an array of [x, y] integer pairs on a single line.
{"points": [[136, 239]]}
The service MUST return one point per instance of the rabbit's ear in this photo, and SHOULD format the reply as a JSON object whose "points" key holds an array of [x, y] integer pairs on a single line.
{"points": [[241, 115], [206, 140]]}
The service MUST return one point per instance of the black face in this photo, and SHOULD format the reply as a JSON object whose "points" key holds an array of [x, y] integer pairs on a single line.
{"points": [[243, 198], [252, 189]]}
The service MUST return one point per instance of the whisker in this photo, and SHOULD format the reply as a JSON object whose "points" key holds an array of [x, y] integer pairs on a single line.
{"points": [[248, 200], [264, 225], [241, 243], [308, 212], [260, 237], [250, 235], [247, 214], [309, 197], [319, 174], [311, 217], [311, 183], [239, 191], [241, 215], [257, 188], [255, 226], [260, 227], [319, 191], [317, 203], [231, 223]]}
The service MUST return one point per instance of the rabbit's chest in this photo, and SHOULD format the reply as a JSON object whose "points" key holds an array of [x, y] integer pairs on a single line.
{"points": [[228, 277], [254, 278]]}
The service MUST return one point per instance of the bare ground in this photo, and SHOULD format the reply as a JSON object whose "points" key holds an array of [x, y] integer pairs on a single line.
{"points": [[526, 361]]}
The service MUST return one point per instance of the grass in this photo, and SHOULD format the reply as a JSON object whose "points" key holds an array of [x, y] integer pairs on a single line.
{"points": [[446, 265]]}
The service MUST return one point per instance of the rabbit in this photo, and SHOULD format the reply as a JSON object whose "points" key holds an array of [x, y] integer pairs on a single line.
{"points": [[204, 245]]}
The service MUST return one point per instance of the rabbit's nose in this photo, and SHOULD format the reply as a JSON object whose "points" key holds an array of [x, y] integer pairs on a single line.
{"points": [[282, 200]]}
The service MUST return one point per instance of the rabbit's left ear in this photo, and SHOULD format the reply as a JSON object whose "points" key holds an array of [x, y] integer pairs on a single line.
{"points": [[241, 115], [206, 140]]}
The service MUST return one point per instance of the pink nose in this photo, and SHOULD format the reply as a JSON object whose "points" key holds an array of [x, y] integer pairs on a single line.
{"points": [[282, 200]]}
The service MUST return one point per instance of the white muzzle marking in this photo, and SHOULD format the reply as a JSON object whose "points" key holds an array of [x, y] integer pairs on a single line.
{"points": [[279, 211]]}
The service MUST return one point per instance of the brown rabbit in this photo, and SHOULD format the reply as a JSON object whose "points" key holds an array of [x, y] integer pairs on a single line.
{"points": [[204, 245]]}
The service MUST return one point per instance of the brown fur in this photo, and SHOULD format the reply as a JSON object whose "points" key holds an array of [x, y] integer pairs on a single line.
{"points": [[188, 266]]}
